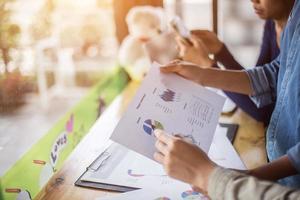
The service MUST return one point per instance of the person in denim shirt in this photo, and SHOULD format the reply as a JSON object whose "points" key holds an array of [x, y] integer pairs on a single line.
{"points": [[276, 16], [277, 82]]}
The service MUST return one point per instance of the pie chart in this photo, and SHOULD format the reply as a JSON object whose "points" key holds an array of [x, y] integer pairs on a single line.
{"points": [[150, 125]]}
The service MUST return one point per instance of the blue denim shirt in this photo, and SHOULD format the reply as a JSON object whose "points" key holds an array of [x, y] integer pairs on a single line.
{"points": [[279, 82]]}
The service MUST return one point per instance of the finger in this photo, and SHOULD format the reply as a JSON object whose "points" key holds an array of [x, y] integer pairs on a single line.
{"points": [[176, 61], [178, 39], [162, 137], [186, 42], [161, 147], [184, 138], [181, 43], [199, 190], [179, 57], [159, 157], [196, 189], [195, 41], [182, 48], [170, 68], [178, 135], [183, 40]]}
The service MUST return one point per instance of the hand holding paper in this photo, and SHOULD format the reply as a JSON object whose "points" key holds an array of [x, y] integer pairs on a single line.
{"points": [[173, 104], [183, 160]]}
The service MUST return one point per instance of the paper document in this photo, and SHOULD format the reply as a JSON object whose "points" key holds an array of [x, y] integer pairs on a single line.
{"points": [[171, 103], [120, 166], [123, 167], [222, 151], [170, 192]]}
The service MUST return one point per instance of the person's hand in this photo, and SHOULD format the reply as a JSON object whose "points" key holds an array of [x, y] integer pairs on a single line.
{"points": [[188, 71], [183, 161], [228, 80], [194, 52], [210, 40]]}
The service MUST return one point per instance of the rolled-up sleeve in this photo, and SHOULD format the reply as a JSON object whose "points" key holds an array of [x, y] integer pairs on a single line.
{"points": [[263, 81], [227, 184], [294, 156]]}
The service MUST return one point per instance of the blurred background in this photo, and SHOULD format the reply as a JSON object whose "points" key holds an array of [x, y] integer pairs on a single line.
{"points": [[52, 44], [53, 51]]}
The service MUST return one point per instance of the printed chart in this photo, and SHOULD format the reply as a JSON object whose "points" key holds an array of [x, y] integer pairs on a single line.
{"points": [[150, 125], [168, 95], [171, 103]]}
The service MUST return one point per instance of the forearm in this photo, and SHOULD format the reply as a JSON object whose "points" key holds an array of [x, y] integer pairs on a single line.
{"points": [[226, 58], [228, 80], [227, 184], [275, 170]]}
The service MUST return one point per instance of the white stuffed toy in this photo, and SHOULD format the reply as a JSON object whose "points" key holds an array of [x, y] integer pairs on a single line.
{"points": [[148, 41]]}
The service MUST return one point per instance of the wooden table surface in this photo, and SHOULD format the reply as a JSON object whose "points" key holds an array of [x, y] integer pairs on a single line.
{"points": [[249, 143]]}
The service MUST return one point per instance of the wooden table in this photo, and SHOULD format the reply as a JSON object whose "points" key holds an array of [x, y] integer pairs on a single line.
{"points": [[249, 142]]}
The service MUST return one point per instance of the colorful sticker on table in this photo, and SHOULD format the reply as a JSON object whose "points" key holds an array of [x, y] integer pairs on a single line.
{"points": [[70, 124], [162, 198], [21, 194], [150, 125], [192, 195]]}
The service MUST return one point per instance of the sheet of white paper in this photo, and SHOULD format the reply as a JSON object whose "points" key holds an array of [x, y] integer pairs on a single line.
{"points": [[222, 151], [128, 168], [170, 192], [171, 103]]}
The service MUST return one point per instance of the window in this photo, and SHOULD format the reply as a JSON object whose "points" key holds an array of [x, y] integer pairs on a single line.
{"points": [[52, 53]]}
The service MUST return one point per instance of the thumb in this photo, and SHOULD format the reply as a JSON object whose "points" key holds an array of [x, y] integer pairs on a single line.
{"points": [[176, 61], [181, 44]]}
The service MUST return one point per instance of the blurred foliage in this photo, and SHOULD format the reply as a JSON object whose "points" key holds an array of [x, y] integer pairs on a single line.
{"points": [[104, 3], [13, 86], [9, 33], [42, 25]]}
